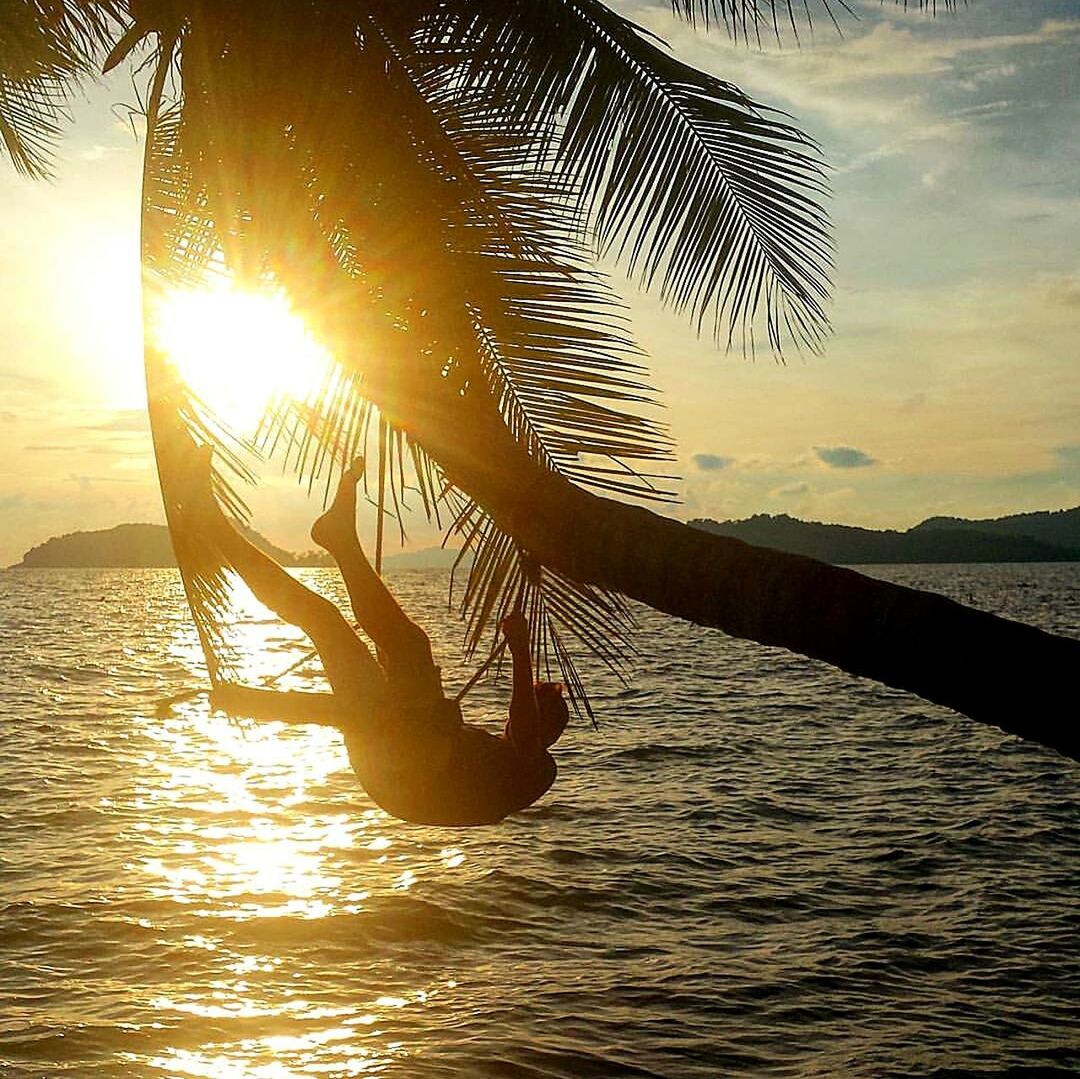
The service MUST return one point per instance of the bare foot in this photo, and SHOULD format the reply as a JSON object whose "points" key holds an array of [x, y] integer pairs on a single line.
{"points": [[515, 628], [338, 524]]}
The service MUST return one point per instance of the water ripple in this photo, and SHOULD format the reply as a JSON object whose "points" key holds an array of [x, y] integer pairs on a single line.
{"points": [[758, 866]]}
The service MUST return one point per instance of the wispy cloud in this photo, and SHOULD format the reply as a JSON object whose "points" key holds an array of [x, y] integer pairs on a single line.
{"points": [[890, 52], [98, 152], [880, 72], [22, 379], [946, 131], [843, 457], [790, 490], [711, 462], [124, 421]]}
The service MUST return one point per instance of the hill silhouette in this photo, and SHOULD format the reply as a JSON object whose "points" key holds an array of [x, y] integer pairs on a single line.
{"points": [[127, 545], [1024, 537], [1060, 528], [137, 546], [1027, 537]]}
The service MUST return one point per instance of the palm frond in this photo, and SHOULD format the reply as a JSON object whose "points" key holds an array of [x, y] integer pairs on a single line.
{"points": [[544, 330], [564, 370], [553, 338], [179, 421], [702, 193], [502, 576], [47, 52], [753, 20], [412, 234]]}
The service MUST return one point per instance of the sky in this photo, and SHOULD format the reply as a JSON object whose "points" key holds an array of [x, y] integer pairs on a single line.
{"points": [[950, 385]]}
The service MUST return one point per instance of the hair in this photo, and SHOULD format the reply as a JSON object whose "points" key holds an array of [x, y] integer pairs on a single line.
{"points": [[554, 713]]}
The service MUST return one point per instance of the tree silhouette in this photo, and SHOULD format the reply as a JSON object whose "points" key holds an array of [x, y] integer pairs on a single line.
{"points": [[430, 181]]}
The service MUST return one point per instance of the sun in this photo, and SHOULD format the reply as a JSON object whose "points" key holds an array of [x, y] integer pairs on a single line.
{"points": [[239, 350]]}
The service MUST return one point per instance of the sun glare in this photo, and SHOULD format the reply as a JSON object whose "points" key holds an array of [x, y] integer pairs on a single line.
{"points": [[239, 350]]}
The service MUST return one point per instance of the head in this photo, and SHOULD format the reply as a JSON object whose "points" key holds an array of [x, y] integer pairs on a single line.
{"points": [[554, 713]]}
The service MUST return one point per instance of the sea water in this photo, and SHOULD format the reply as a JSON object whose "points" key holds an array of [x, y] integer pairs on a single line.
{"points": [[756, 866]]}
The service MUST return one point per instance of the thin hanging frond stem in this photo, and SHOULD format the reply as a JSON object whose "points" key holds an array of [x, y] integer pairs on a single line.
{"points": [[384, 436]]}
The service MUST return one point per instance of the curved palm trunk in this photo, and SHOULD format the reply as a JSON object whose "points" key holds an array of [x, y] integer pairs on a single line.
{"points": [[993, 670]]}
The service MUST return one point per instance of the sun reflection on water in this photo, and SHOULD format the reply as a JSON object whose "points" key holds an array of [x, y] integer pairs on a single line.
{"points": [[259, 831], [359, 1059], [241, 851]]}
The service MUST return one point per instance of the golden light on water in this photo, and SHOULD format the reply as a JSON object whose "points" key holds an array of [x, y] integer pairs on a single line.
{"points": [[249, 838], [238, 350], [240, 829]]}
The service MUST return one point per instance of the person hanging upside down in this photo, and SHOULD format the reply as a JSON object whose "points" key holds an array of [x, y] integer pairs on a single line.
{"points": [[407, 742]]}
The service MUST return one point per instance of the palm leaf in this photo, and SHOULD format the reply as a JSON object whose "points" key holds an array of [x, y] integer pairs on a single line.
{"points": [[502, 576], [755, 19], [45, 57], [703, 194], [424, 190], [517, 314]]}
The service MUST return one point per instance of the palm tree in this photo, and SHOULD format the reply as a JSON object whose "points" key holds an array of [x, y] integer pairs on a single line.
{"points": [[430, 180]]}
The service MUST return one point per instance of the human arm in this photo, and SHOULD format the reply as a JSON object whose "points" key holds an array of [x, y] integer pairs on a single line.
{"points": [[322, 709], [523, 726]]}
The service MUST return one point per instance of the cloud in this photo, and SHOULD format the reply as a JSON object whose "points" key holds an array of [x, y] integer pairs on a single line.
{"points": [[711, 462], [22, 379], [883, 72], [1069, 456], [987, 74], [890, 52], [131, 420], [790, 490], [1063, 289], [989, 109], [843, 457], [98, 152], [945, 131], [913, 403]]}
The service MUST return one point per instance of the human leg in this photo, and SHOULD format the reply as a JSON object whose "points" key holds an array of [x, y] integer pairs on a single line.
{"points": [[403, 644], [349, 665]]}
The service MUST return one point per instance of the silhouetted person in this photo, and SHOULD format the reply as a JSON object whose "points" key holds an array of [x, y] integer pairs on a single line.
{"points": [[406, 741]]}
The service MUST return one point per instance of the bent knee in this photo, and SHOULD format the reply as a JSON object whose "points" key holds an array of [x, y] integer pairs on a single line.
{"points": [[324, 617], [410, 657], [421, 649]]}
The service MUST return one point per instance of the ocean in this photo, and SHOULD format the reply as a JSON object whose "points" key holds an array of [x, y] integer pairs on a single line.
{"points": [[755, 866]]}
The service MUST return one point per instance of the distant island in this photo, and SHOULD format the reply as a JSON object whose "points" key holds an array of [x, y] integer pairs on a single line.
{"points": [[1023, 537], [138, 546]]}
